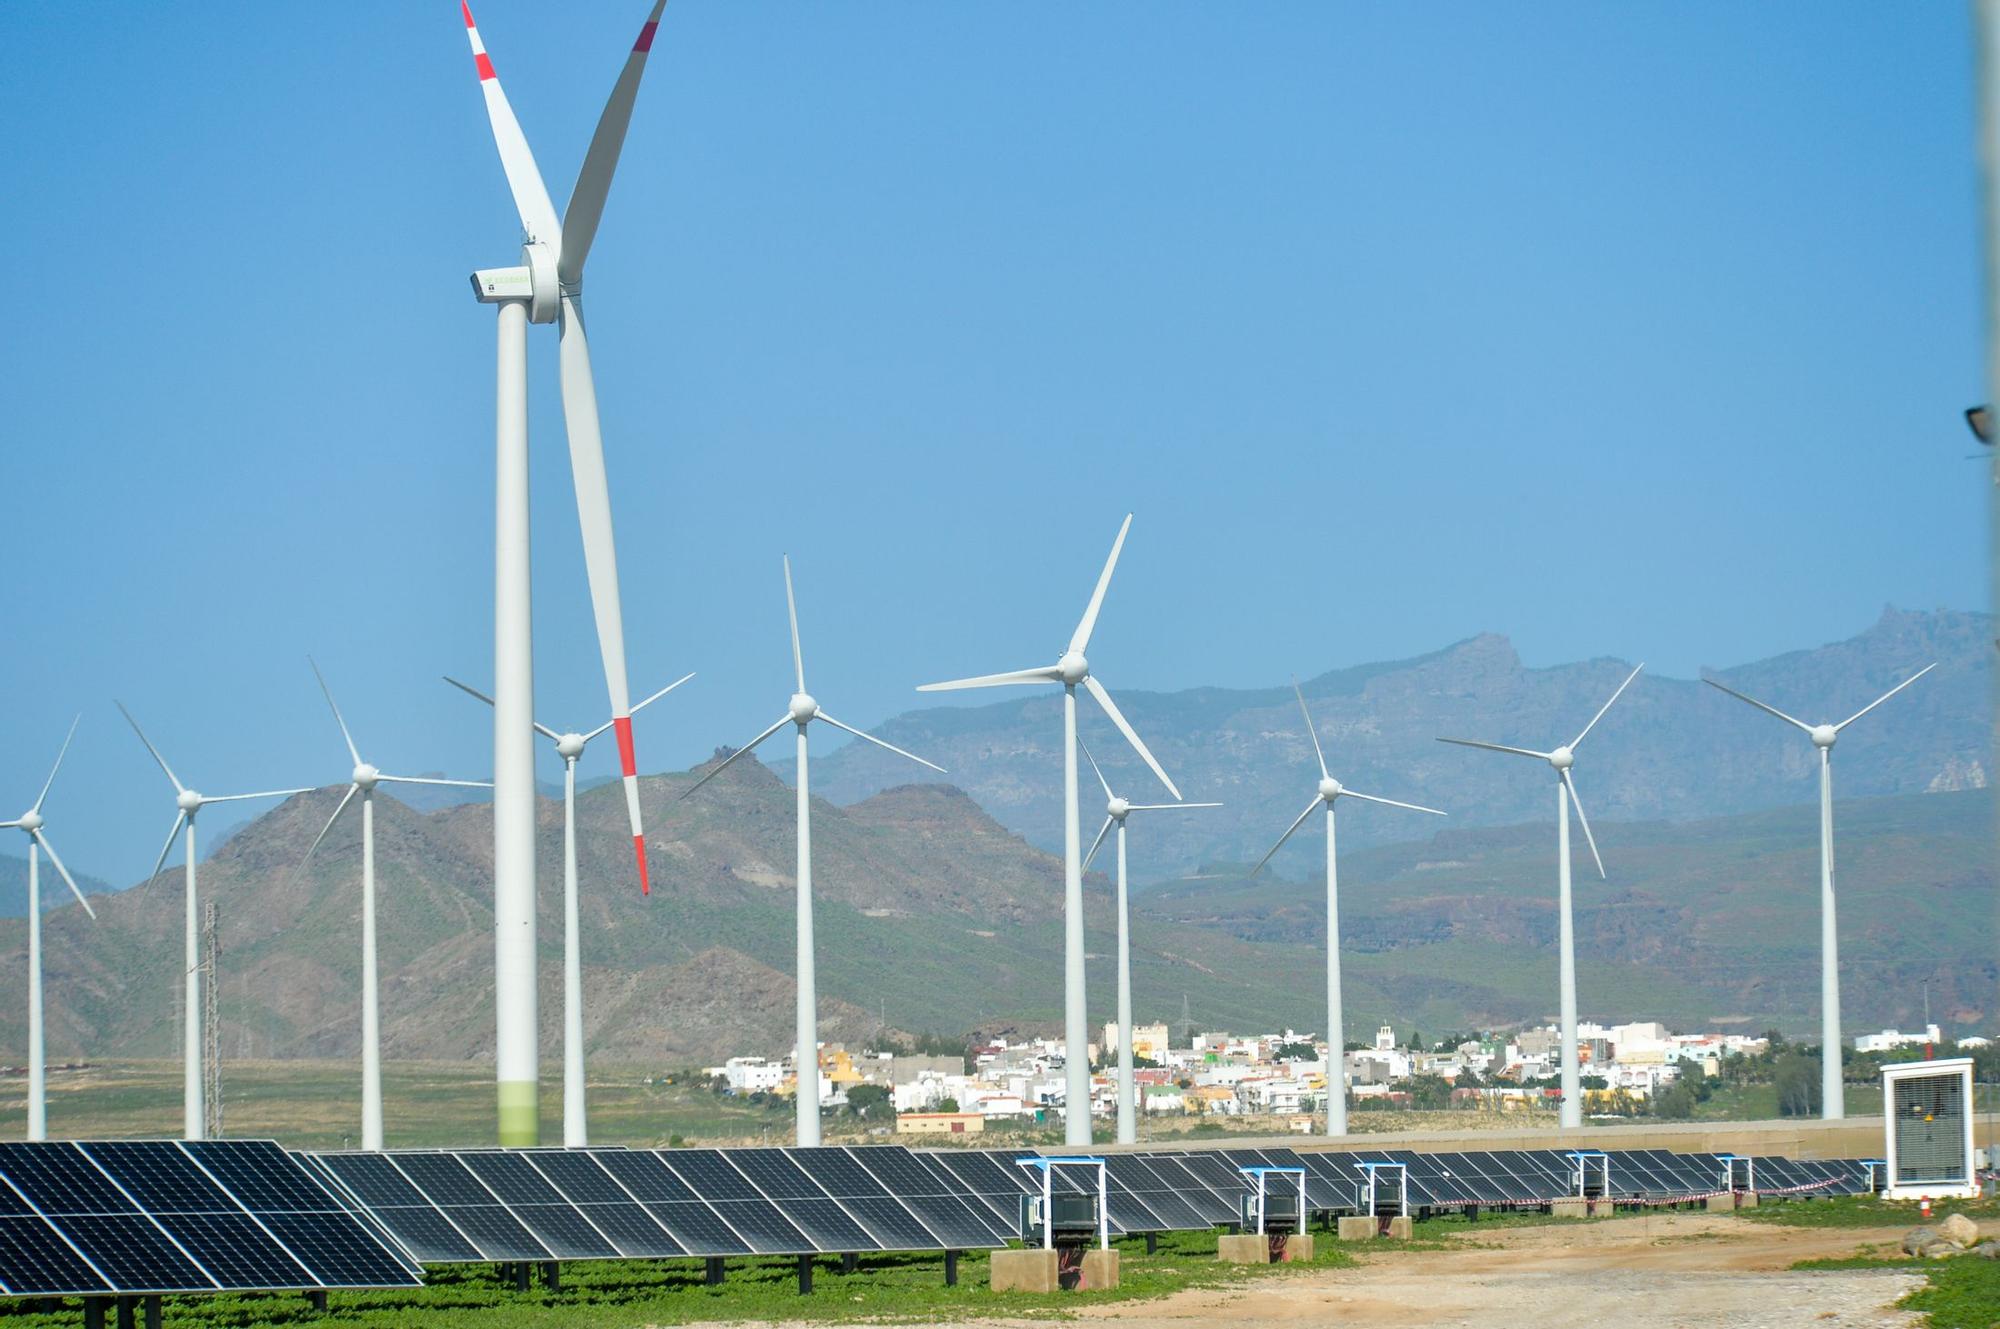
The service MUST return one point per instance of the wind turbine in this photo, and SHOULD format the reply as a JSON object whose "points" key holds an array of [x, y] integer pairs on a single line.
{"points": [[1561, 759], [187, 803], [1833, 1098], [802, 711], [30, 823], [363, 781], [1070, 670], [1329, 792], [546, 287], [570, 746], [1116, 810]]}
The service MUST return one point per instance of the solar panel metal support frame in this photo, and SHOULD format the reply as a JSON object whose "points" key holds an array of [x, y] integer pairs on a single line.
{"points": [[1256, 1202], [1048, 1168]]}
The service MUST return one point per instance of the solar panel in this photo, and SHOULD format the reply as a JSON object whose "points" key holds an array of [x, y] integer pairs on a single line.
{"points": [[203, 1220], [35, 1261], [1204, 1198], [951, 1217], [666, 1198], [892, 1225], [1132, 1181], [400, 1207], [472, 1209], [359, 1211], [540, 1207], [802, 1200], [753, 1218], [128, 1249], [988, 1180], [606, 1204]]}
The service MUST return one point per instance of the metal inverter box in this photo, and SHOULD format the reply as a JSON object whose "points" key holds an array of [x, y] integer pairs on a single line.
{"points": [[1927, 1129]]}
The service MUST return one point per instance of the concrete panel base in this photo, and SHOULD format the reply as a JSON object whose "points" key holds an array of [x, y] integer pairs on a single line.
{"points": [[1294, 1248], [1355, 1229], [1402, 1228], [1244, 1248], [1100, 1271], [1577, 1208], [1033, 1270], [1747, 1200], [1721, 1204]]}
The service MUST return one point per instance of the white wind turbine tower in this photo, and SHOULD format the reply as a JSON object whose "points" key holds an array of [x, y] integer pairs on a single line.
{"points": [[570, 746], [1116, 810], [187, 803], [30, 823], [1071, 669], [1833, 1098], [363, 781], [1561, 759], [802, 711], [546, 287], [1330, 791]]}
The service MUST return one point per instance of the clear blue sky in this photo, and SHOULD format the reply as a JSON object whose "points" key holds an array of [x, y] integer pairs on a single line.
{"points": [[1636, 331]]}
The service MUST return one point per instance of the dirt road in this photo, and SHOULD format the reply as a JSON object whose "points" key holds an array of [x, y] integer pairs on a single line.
{"points": [[1664, 1271]]}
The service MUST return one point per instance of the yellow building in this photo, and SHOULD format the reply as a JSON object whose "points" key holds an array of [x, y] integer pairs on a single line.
{"points": [[939, 1123]]}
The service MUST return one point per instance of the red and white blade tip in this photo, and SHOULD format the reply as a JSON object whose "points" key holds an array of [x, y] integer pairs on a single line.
{"points": [[628, 766], [479, 56]]}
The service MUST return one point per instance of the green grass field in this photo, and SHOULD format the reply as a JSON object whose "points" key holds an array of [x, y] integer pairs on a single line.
{"points": [[882, 1288]]}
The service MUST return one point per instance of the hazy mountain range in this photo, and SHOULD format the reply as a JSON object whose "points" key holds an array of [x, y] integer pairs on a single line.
{"points": [[1671, 748], [935, 915]]}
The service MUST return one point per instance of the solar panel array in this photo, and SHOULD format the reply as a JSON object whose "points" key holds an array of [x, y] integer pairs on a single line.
{"points": [[163, 1216], [462, 1206]]}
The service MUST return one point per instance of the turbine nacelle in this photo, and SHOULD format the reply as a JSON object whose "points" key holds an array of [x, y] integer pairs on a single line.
{"points": [[570, 746], [1118, 808], [1823, 735], [30, 821], [1329, 788], [1562, 758], [366, 777], [803, 710], [188, 801], [1072, 669]]}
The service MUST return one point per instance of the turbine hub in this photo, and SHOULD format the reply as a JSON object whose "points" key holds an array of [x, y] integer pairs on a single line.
{"points": [[804, 708], [570, 746], [1073, 667], [1562, 758], [1329, 788], [188, 801], [545, 290], [31, 821], [366, 777], [1823, 735], [1117, 808]]}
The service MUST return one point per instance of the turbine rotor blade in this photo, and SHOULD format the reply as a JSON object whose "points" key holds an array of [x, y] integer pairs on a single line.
{"points": [[879, 743], [1884, 697], [178, 786], [1768, 710], [1102, 831], [792, 608], [1583, 821], [1170, 807], [593, 182], [424, 779], [1080, 640], [1297, 822], [638, 706], [540, 728], [1606, 706], [783, 720], [600, 551], [1131, 735], [312, 848], [524, 178], [58, 766], [1370, 798], [352, 751], [1094, 767], [1495, 747], [56, 859], [1045, 674], [1311, 729], [262, 793], [165, 849]]}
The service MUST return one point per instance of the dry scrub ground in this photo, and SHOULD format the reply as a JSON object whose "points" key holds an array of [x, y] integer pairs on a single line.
{"points": [[1663, 1271]]}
